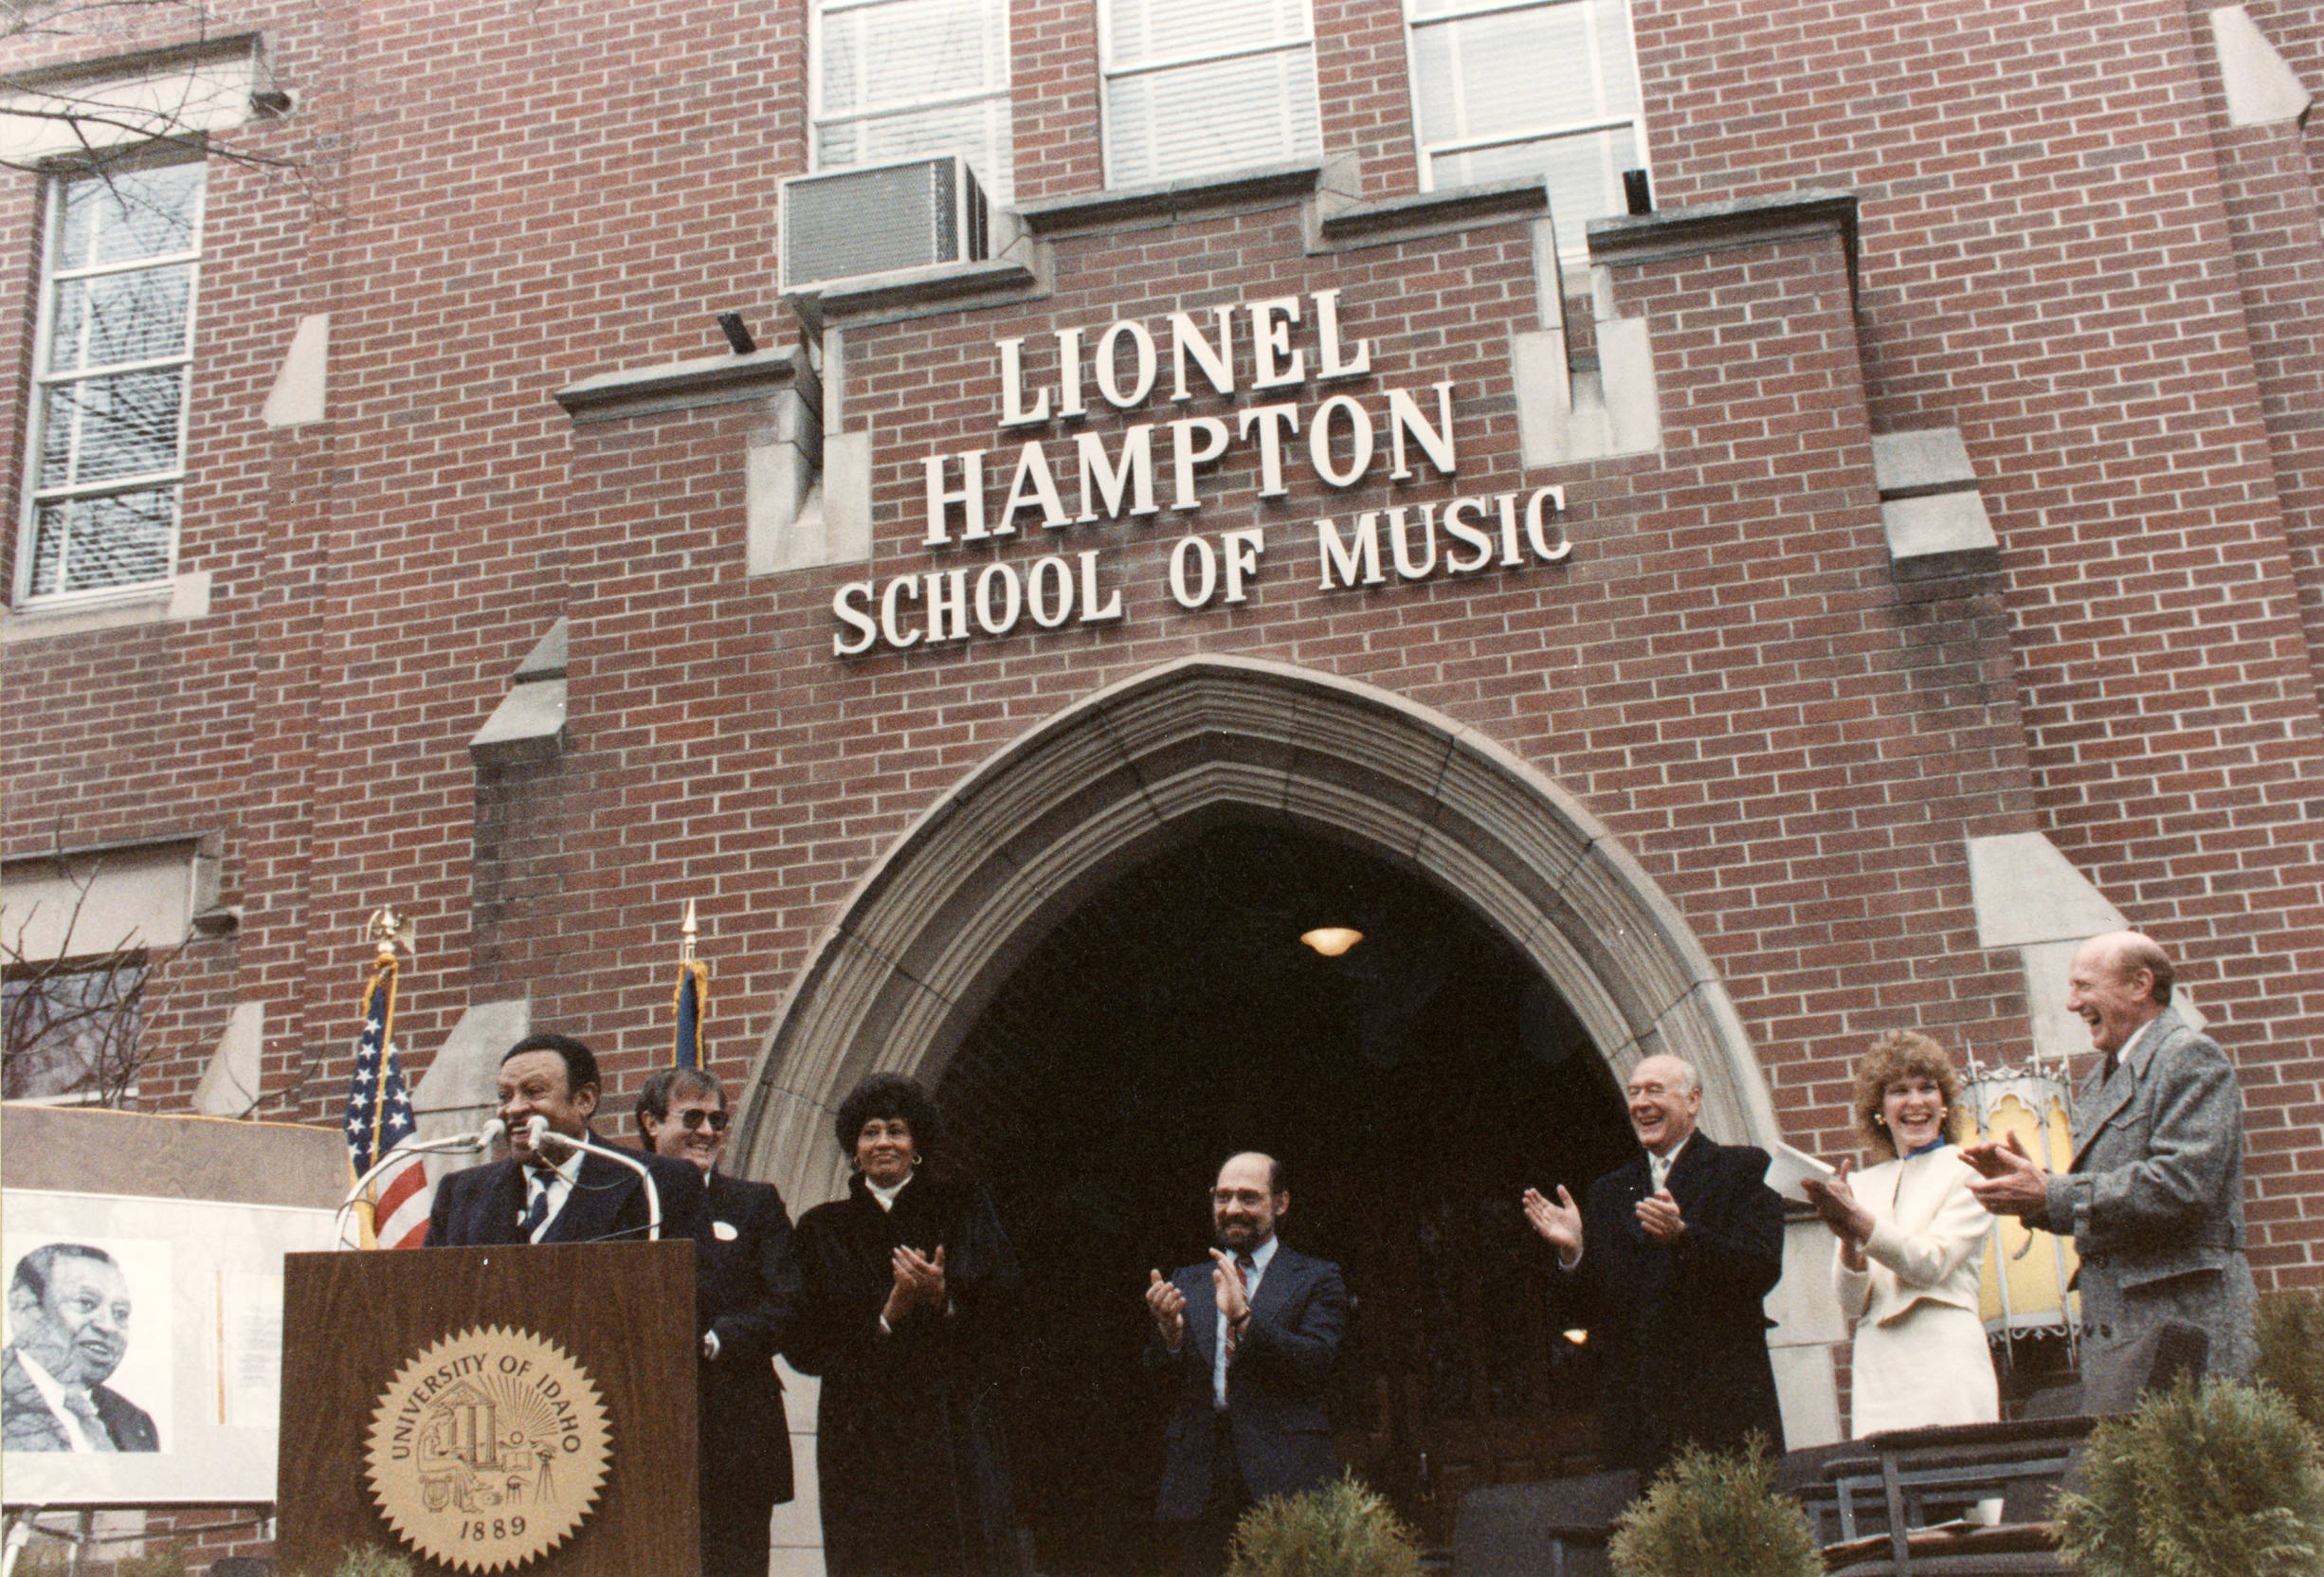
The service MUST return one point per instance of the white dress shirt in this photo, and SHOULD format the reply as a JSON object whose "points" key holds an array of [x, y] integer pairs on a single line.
{"points": [[1260, 1256], [558, 1180]]}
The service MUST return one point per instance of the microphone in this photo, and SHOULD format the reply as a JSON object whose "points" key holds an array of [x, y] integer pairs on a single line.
{"points": [[452, 1144], [539, 1140]]}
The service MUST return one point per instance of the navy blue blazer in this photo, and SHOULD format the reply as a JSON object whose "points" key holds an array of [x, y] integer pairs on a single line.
{"points": [[1680, 1330], [1276, 1389], [746, 1288], [481, 1206]]}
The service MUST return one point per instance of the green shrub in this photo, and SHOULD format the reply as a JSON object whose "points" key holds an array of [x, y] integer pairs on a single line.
{"points": [[372, 1560], [1342, 1530], [2291, 1330], [1716, 1512], [2205, 1478]]}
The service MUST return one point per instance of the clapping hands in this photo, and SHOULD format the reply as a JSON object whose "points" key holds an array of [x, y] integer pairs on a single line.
{"points": [[1560, 1223], [919, 1283]]}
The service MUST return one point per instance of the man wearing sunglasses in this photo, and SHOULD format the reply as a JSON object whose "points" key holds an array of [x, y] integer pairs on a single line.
{"points": [[746, 1284]]}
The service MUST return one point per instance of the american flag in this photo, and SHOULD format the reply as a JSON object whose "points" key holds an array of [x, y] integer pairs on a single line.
{"points": [[395, 1212]]}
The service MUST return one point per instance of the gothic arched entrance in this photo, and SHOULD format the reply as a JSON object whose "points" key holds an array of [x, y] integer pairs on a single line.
{"points": [[1261, 771]]}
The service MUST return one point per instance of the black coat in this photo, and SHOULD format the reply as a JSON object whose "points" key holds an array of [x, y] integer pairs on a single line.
{"points": [[746, 1288], [911, 1457], [1277, 1387], [1680, 1330], [483, 1205]]}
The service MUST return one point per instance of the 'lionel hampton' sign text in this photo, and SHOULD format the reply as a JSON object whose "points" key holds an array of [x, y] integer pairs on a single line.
{"points": [[1153, 467]]}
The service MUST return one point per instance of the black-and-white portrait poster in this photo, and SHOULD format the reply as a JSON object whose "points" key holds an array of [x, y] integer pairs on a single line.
{"points": [[144, 1346]]}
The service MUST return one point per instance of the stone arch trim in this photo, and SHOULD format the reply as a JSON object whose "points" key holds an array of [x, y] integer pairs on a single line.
{"points": [[931, 932]]}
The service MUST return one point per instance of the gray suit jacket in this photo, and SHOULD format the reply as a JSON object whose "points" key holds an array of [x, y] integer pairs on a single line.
{"points": [[2154, 1199]]}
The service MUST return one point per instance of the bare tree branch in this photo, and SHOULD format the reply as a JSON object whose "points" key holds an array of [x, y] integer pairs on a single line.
{"points": [[78, 1013], [106, 129]]}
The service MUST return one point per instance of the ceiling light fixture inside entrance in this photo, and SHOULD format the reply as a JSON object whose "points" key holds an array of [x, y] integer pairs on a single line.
{"points": [[1332, 941]]}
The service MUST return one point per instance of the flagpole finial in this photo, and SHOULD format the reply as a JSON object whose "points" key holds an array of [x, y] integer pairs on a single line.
{"points": [[685, 934], [391, 931]]}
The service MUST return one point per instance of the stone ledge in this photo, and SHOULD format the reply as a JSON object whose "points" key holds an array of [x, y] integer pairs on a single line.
{"points": [[1916, 465], [689, 385], [527, 727], [1939, 535], [1390, 219], [2262, 90], [1931, 510], [1165, 201], [184, 598], [912, 292], [170, 94], [1719, 227]]}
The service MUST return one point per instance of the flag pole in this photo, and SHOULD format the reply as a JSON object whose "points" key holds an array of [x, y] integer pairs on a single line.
{"points": [[389, 930], [692, 1002]]}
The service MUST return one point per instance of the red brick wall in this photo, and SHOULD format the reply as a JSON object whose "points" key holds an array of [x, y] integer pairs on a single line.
{"points": [[2064, 254], [504, 201], [2049, 266]]}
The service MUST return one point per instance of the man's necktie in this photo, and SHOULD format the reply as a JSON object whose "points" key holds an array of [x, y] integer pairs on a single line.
{"points": [[2113, 1061], [536, 1209], [1657, 1170], [1244, 1264], [91, 1427]]}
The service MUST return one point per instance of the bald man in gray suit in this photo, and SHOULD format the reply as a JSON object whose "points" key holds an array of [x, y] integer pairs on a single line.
{"points": [[2155, 1196]]}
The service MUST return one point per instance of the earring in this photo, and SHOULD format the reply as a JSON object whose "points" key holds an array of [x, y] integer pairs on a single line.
{"points": [[915, 1160]]}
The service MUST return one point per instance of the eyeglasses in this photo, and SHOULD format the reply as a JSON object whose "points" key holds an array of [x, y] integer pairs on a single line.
{"points": [[693, 1117]]}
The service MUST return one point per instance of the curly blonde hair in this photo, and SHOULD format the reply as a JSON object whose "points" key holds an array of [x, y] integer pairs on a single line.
{"points": [[1902, 1054]]}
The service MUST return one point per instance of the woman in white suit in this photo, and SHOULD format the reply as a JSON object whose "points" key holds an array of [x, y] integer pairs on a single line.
{"points": [[1910, 1231]]}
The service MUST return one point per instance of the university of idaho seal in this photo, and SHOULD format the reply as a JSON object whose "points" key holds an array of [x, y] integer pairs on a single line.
{"points": [[488, 1448]]}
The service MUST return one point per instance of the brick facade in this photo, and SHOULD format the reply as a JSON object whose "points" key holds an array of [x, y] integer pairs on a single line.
{"points": [[2062, 248]]}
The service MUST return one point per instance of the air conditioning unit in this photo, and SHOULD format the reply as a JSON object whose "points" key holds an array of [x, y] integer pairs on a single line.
{"points": [[845, 223]]}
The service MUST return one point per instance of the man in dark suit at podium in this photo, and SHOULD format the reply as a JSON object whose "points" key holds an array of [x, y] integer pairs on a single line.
{"points": [[1248, 1337], [746, 1283], [557, 1194]]}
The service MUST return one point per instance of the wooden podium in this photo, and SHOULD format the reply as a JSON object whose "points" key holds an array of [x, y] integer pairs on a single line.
{"points": [[462, 1381]]}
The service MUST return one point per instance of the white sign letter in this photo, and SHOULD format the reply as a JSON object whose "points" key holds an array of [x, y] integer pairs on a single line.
{"points": [[1100, 482], [844, 608], [1184, 457], [970, 498], [1013, 413], [1198, 548], [1362, 549], [1436, 443], [1109, 370], [1271, 342], [1240, 548], [1091, 612], [1218, 364], [1359, 440], [1273, 421], [1327, 329]]}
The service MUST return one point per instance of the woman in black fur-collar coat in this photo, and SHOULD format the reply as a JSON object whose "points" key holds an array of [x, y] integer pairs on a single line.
{"points": [[907, 1314]]}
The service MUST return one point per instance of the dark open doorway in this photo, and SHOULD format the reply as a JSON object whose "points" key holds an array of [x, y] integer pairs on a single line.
{"points": [[1414, 1087]]}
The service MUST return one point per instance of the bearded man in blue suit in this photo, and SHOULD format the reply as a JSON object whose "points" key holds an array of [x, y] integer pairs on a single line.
{"points": [[1248, 1337]]}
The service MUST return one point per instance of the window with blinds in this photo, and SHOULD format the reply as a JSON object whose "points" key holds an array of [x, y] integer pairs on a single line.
{"points": [[1502, 88], [113, 352], [896, 80], [1198, 87]]}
